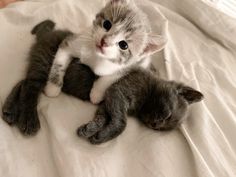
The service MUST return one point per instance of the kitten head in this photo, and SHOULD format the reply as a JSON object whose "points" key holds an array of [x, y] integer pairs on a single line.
{"points": [[122, 34], [168, 105]]}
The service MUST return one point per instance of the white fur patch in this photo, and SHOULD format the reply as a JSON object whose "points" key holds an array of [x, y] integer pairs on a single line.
{"points": [[146, 63], [96, 96], [62, 57], [101, 85]]}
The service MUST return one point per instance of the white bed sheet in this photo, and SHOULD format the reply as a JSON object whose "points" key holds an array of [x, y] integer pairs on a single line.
{"points": [[201, 52]]}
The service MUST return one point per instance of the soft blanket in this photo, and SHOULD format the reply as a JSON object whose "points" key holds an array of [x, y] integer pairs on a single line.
{"points": [[201, 52]]}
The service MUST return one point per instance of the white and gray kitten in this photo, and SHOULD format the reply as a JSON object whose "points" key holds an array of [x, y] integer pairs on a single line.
{"points": [[119, 38]]}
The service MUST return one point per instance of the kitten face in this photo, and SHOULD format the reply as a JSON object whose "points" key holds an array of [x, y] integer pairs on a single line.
{"points": [[170, 107], [120, 31]]}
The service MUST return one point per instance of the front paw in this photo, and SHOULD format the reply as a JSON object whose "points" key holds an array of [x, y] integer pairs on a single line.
{"points": [[96, 96], [87, 130], [52, 90], [98, 139], [28, 122]]}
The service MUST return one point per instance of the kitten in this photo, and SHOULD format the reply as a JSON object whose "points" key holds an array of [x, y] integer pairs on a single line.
{"points": [[119, 38], [159, 104], [20, 107]]}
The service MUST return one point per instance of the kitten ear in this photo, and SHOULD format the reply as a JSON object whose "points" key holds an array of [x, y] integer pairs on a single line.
{"points": [[154, 44], [190, 94]]}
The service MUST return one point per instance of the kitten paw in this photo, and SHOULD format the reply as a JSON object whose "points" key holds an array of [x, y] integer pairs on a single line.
{"points": [[87, 130], [9, 117], [96, 96], [82, 131], [10, 112], [97, 139], [29, 122], [52, 90]]}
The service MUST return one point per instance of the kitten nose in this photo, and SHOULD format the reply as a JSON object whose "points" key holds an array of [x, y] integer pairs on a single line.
{"points": [[103, 42]]}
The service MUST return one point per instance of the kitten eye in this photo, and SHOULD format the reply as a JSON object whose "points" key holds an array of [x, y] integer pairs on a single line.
{"points": [[123, 45], [107, 25]]}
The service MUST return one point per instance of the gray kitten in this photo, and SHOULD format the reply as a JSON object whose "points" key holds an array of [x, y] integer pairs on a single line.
{"points": [[159, 104], [20, 107]]}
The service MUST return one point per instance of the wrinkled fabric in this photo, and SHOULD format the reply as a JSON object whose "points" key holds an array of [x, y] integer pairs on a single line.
{"points": [[201, 52]]}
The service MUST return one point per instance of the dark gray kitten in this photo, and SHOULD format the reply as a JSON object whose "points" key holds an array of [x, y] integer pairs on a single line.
{"points": [[159, 104], [20, 107]]}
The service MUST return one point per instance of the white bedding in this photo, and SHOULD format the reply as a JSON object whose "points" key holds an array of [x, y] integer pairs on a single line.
{"points": [[201, 52]]}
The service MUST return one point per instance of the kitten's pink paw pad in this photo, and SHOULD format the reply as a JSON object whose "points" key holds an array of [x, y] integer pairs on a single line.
{"points": [[52, 90]]}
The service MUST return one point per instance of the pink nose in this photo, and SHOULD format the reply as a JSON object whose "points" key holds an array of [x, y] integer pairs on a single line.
{"points": [[103, 42]]}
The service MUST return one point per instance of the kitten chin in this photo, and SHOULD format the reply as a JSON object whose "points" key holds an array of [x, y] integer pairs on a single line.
{"points": [[105, 67], [108, 53]]}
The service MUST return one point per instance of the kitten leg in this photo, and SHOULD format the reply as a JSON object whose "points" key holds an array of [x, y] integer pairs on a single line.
{"points": [[57, 72], [115, 114], [101, 85], [95, 125], [28, 121], [20, 107], [114, 128]]}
